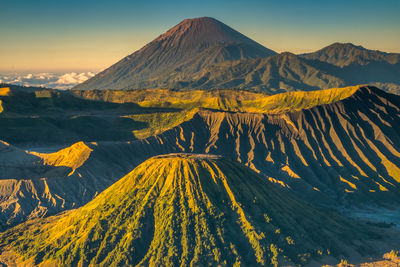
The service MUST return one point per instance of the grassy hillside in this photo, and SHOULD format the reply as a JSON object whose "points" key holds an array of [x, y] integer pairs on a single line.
{"points": [[57, 117], [189, 102], [159, 122], [326, 154], [226, 100], [215, 99], [72, 157], [185, 209], [292, 101]]}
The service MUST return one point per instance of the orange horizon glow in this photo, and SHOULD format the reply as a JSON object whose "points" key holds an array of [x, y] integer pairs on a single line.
{"points": [[92, 35]]}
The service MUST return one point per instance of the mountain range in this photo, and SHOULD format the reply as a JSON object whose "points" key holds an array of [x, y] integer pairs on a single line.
{"points": [[333, 147], [206, 148], [204, 53]]}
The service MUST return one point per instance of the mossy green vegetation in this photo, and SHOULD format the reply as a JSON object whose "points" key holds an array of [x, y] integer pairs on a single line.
{"points": [[186, 103], [56, 117], [228, 100], [299, 100], [158, 122], [4, 91], [224, 100], [65, 117], [186, 209]]}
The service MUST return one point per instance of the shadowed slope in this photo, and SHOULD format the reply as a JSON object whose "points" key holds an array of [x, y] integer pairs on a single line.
{"points": [[274, 74], [343, 151], [357, 65], [176, 55], [346, 150], [206, 54], [32, 184], [227, 100], [178, 210], [41, 117], [15, 162]]}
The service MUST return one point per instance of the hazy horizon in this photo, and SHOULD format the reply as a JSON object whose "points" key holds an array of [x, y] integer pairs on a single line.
{"points": [[92, 35]]}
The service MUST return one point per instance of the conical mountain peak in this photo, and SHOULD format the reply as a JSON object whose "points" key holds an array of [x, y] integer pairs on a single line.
{"points": [[203, 31], [178, 55], [187, 209]]}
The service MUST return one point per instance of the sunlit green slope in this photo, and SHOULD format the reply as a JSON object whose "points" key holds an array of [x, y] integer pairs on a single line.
{"points": [[61, 117], [185, 209], [224, 100], [186, 103]]}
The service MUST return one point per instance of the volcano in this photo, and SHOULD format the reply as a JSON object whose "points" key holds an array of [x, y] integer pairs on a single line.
{"points": [[187, 209], [177, 55]]}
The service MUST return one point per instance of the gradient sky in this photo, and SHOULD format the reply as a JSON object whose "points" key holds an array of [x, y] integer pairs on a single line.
{"points": [[63, 35]]}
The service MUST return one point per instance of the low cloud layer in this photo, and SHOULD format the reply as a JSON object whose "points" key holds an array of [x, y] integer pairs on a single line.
{"points": [[46, 79]]}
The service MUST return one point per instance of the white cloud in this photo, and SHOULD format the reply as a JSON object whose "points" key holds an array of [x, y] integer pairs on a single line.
{"points": [[45, 79], [74, 78], [44, 76]]}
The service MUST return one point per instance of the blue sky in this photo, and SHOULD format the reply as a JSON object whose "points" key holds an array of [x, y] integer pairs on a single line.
{"points": [[52, 35]]}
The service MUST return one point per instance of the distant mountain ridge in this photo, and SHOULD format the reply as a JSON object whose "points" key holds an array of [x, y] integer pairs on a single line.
{"points": [[275, 74], [337, 65], [204, 53], [358, 65], [345, 54]]}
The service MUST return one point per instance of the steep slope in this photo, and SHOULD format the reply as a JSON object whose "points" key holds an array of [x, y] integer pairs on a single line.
{"points": [[27, 181], [333, 66], [72, 157], [344, 151], [15, 162], [204, 53], [173, 57], [187, 209], [279, 73], [357, 65]]}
